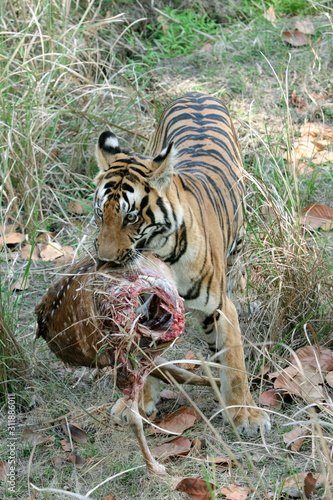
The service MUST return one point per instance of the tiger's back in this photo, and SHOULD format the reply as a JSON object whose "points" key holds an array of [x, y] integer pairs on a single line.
{"points": [[209, 166], [203, 134]]}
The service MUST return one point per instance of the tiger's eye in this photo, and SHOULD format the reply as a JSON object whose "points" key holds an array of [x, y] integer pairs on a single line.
{"points": [[99, 213], [130, 218]]}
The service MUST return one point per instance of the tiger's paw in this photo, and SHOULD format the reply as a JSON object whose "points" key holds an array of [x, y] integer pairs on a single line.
{"points": [[150, 395], [119, 411], [249, 422]]}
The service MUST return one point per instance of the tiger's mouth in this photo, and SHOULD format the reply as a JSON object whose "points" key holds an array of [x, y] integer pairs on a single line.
{"points": [[122, 264]]}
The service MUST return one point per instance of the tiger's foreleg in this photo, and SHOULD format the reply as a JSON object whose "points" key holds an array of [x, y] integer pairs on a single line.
{"points": [[224, 338]]}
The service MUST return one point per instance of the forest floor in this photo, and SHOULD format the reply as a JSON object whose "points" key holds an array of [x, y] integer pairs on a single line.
{"points": [[273, 84]]}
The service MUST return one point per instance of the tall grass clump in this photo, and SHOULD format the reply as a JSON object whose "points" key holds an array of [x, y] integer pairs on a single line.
{"points": [[291, 274], [60, 86], [13, 361], [57, 88]]}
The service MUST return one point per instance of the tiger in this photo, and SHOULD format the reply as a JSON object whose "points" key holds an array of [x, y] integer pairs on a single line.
{"points": [[184, 203]]}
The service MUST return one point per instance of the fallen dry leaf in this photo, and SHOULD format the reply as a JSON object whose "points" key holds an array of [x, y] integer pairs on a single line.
{"points": [[221, 463], [235, 492], [273, 375], [320, 144], [196, 488], [295, 38], [179, 421], [309, 484], [11, 239], [329, 378], [272, 397], [27, 252], [78, 435], [323, 157], [36, 438], [20, 284], [189, 366], [65, 445], [302, 167], [299, 484], [4, 469], [164, 22], [317, 130], [67, 250], [294, 438], [67, 258], [316, 356], [46, 236], [77, 460], [110, 497], [58, 460], [269, 14], [305, 26], [152, 416], [304, 148], [305, 383], [317, 216], [176, 446], [52, 251]]}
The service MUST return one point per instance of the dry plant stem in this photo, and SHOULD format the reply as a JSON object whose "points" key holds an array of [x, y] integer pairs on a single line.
{"points": [[220, 399], [14, 365], [325, 458], [135, 423], [180, 375], [89, 411], [218, 437]]}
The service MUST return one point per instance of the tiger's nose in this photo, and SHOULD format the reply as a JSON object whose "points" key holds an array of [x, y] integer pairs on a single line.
{"points": [[101, 254]]}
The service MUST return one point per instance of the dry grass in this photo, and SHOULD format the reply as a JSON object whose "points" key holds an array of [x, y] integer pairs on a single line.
{"points": [[64, 79]]}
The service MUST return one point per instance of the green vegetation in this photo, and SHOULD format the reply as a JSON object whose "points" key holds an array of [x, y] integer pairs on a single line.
{"points": [[251, 9], [179, 33], [175, 33]]}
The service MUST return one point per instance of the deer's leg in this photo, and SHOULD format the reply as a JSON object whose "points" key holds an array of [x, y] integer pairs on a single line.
{"points": [[135, 422]]}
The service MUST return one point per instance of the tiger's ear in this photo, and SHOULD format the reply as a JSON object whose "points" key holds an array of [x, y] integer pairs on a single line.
{"points": [[106, 149], [163, 168]]}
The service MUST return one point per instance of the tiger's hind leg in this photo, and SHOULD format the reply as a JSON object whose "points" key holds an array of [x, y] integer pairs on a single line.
{"points": [[224, 338]]}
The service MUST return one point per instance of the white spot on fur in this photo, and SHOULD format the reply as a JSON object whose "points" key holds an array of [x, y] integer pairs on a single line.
{"points": [[111, 142]]}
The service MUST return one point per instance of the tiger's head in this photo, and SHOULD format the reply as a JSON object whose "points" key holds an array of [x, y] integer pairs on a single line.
{"points": [[135, 206]]}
